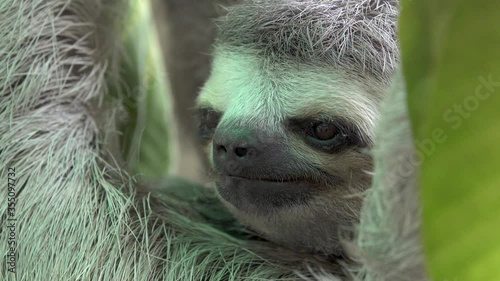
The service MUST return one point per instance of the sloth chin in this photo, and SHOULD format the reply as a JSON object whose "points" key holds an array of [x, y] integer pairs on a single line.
{"points": [[264, 195]]}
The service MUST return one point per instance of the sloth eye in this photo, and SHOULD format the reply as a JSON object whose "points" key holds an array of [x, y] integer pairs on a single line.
{"points": [[324, 131], [325, 135], [328, 134], [208, 120]]}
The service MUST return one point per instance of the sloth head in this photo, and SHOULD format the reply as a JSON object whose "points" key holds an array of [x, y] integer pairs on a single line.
{"points": [[287, 115]]}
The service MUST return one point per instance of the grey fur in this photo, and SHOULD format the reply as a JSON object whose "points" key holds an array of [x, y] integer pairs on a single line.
{"points": [[77, 211], [388, 245], [358, 35], [79, 215]]}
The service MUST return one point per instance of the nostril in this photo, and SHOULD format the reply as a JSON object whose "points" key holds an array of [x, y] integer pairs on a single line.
{"points": [[240, 151], [221, 149]]}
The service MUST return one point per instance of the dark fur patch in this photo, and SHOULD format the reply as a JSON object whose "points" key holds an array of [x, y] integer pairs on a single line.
{"points": [[349, 135]]}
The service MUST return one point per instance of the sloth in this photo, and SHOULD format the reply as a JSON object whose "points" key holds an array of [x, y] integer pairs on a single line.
{"points": [[287, 115]]}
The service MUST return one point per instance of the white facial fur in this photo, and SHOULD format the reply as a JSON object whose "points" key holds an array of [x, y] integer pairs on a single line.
{"points": [[245, 89]]}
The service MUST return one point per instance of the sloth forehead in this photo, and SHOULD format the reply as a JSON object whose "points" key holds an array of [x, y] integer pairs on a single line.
{"points": [[245, 87]]}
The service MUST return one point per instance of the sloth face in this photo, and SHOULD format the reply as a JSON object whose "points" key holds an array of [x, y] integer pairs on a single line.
{"points": [[287, 144]]}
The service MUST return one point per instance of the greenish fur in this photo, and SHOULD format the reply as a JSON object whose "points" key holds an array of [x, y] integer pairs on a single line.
{"points": [[78, 215]]}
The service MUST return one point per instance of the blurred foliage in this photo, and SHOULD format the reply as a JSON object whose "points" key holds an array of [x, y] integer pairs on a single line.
{"points": [[146, 134], [451, 63]]}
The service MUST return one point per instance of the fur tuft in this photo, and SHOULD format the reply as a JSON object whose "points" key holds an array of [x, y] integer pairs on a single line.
{"points": [[388, 245], [357, 35]]}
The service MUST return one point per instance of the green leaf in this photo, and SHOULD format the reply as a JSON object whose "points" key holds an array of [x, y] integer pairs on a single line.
{"points": [[144, 90], [451, 64]]}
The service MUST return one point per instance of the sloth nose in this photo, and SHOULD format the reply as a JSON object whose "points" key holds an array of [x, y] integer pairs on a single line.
{"points": [[234, 151]]}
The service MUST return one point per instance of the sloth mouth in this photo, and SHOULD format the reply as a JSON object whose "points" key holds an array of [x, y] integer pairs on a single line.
{"points": [[263, 194], [274, 180]]}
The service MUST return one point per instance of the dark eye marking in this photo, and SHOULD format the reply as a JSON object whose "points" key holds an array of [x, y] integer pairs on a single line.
{"points": [[207, 120], [328, 134]]}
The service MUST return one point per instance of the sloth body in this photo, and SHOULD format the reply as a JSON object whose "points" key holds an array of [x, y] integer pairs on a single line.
{"points": [[287, 115]]}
